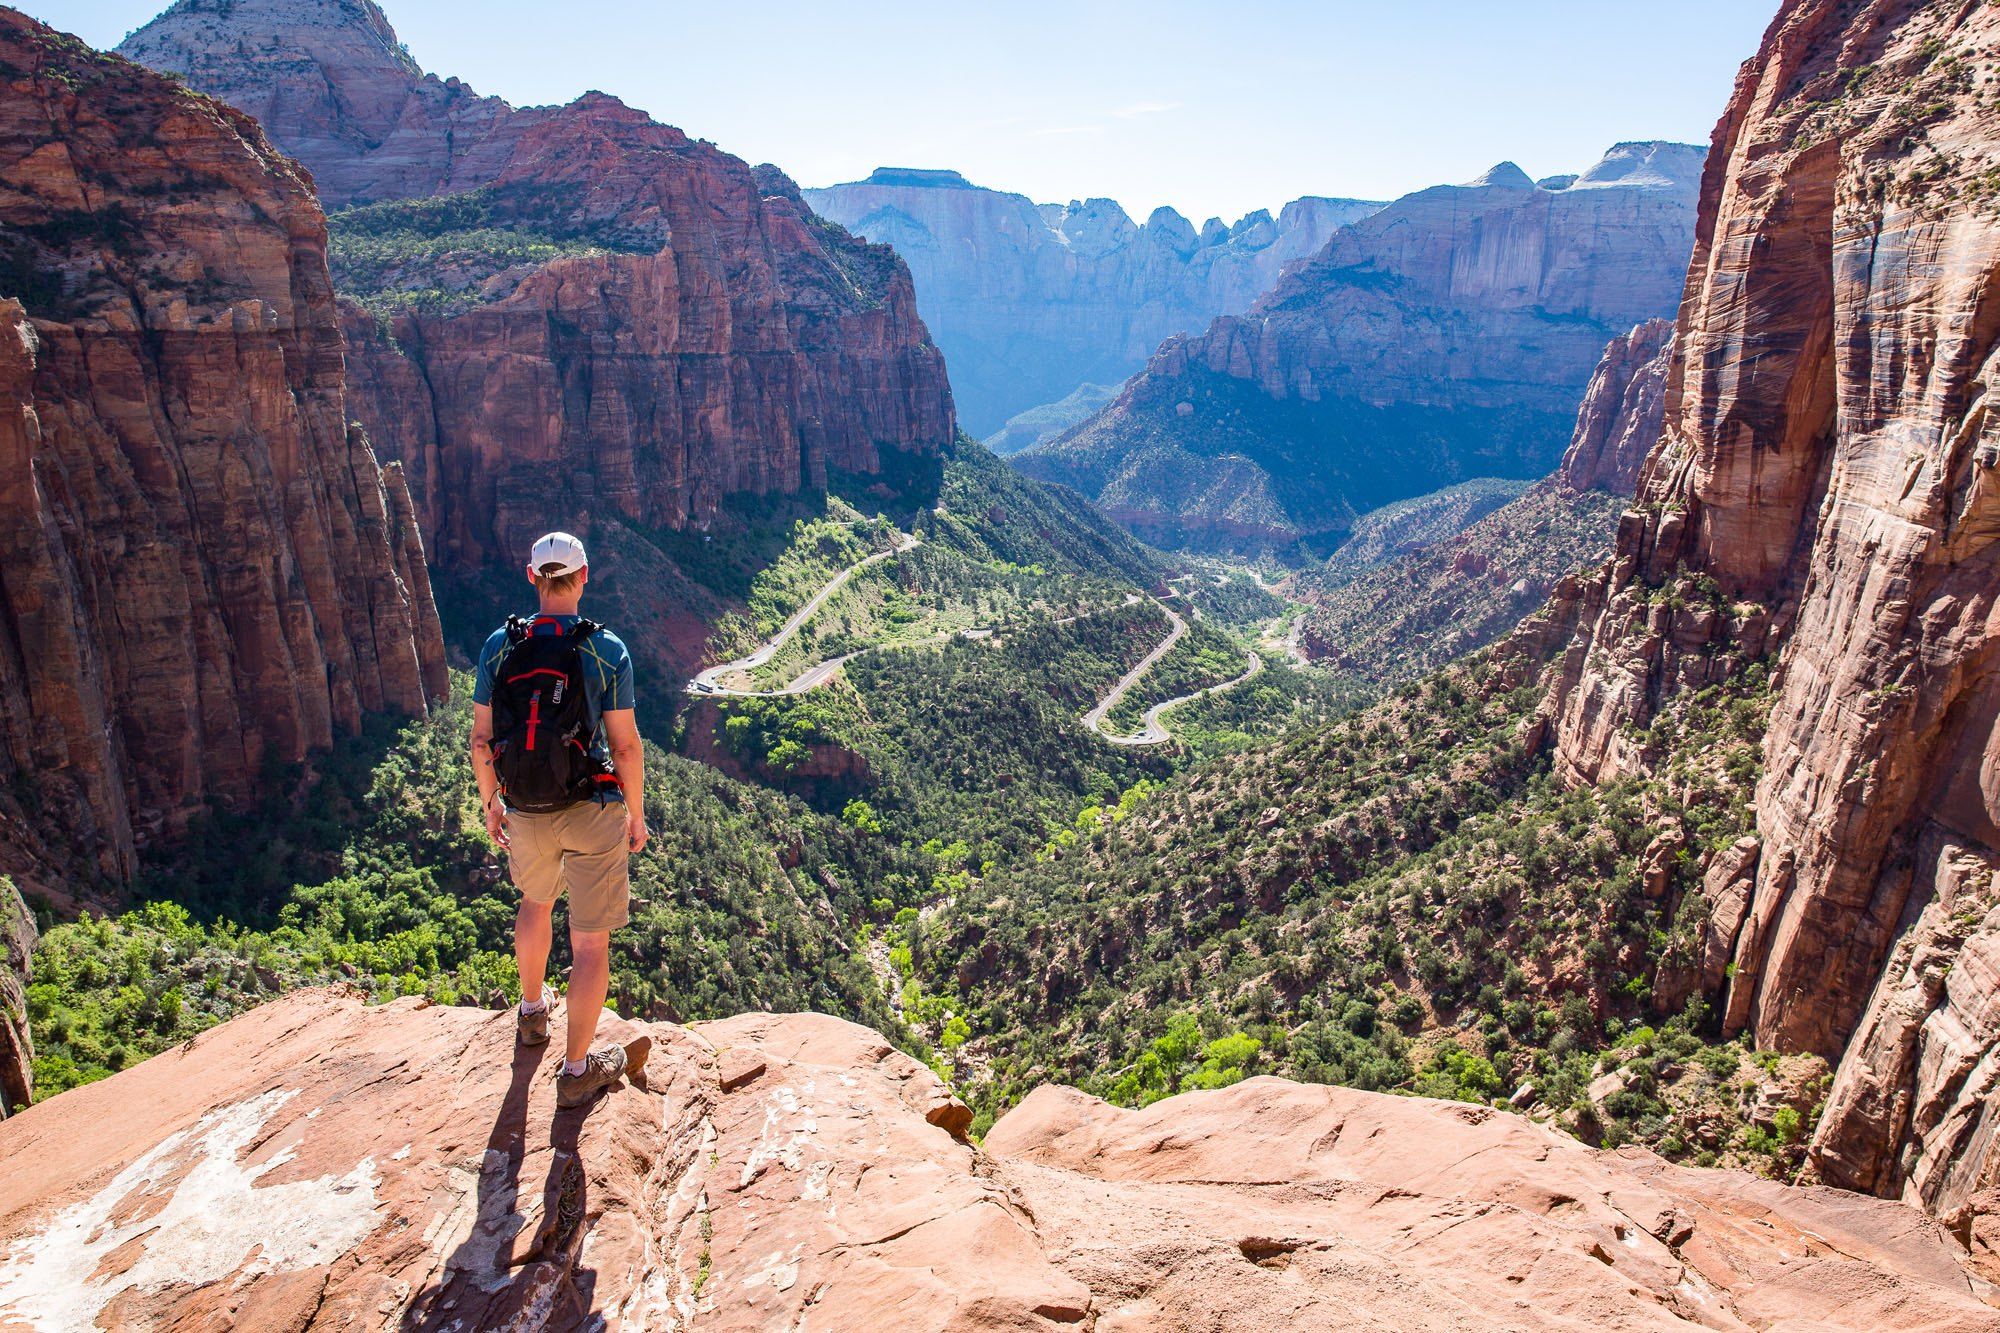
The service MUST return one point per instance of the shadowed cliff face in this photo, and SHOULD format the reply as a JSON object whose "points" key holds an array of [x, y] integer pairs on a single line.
{"points": [[1446, 337], [1828, 461], [320, 1165], [17, 1050], [203, 571], [699, 333], [1029, 300]]}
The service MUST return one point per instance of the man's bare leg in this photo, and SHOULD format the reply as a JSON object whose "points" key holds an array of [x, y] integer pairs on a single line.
{"points": [[532, 936], [589, 983]]}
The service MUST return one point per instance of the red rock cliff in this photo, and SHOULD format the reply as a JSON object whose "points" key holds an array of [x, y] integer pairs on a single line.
{"points": [[1829, 462], [202, 568], [753, 352], [701, 335], [1621, 413]]}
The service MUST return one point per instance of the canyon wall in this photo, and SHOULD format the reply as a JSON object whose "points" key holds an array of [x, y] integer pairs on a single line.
{"points": [[1824, 496], [203, 572], [332, 86], [17, 1047], [1447, 337], [572, 317], [1031, 301]]}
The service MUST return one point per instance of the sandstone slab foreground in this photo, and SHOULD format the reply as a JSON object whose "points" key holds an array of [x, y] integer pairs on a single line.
{"points": [[321, 1164]]}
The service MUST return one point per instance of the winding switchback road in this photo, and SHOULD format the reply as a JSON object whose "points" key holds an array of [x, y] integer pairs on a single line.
{"points": [[711, 680], [1094, 719]]}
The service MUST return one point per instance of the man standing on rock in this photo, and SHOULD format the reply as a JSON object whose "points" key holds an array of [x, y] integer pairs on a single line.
{"points": [[555, 747]]}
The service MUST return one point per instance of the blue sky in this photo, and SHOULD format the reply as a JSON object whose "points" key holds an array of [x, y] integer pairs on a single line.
{"points": [[1215, 108]]}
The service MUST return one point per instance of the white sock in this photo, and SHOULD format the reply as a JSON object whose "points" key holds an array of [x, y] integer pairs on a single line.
{"points": [[533, 1006], [573, 1068]]}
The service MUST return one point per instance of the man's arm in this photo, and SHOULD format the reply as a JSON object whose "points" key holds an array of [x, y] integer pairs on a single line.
{"points": [[628, 757], [490, 807]]}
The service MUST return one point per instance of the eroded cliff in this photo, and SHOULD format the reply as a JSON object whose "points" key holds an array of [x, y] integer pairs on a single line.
{"points": [[1030, 301], [573, 317], [1448, 336], [1824, 496], [203, 571]]}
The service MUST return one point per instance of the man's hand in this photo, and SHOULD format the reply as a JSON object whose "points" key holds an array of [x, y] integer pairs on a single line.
{"points": [[635, 828], [496, 821]]}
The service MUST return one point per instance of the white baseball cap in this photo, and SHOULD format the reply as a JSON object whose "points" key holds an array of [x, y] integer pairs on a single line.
{"points": [[557, 548]]}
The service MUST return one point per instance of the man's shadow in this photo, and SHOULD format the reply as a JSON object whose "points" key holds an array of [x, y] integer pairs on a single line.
{"points": [[491, 1272]]}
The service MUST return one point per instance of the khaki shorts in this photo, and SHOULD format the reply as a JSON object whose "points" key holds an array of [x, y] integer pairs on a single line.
{"points": [[581, 851]]}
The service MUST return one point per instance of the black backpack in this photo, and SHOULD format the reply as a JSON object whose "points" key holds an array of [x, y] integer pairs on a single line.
{"points": [[541, 719]]}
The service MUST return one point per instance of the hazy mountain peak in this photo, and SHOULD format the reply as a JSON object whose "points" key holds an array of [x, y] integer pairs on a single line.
{"points": [[1504, 176], [1651, 164]]}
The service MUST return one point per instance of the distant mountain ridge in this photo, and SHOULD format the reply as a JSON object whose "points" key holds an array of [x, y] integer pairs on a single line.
{"points": [[1031, 301], [1448, 336]]}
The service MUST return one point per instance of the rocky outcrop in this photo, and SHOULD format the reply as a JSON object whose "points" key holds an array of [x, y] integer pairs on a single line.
{"points": [[332, 86], [658, 326], [1621, 414], [1030, 301], [1447, 337], [1824, 496], [318, 1165], [203, 574], [17, 1048]]}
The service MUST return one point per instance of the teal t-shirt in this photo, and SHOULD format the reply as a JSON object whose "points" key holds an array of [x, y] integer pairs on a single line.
{"points": [[607, 674]]}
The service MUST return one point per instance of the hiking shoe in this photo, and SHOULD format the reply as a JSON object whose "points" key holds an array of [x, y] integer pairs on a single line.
{"points": [[602, 1069], [532, 1029]]}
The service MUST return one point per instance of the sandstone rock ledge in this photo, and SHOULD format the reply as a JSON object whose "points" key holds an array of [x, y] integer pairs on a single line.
{"points": [[319, 1164]]}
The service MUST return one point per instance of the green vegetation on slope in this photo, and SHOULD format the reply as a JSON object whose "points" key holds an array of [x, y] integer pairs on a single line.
{"points": [[445, 253], [1390, 623], [1204, 656], [1406, 526], [973, 742], [1405, 899]]}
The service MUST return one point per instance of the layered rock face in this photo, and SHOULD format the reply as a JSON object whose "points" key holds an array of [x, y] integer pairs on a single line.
{"points": [[1030, 301], [203, 570], [1448, 336], [316, 1165], [756, 353], [1826, 479], [332, 86], [1621, 414], [698, 334], [17, 1049]]}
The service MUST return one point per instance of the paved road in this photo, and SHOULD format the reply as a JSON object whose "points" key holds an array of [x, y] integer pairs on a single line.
{"points": [[710, 681], [1155, 732], [1094, 719]]}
